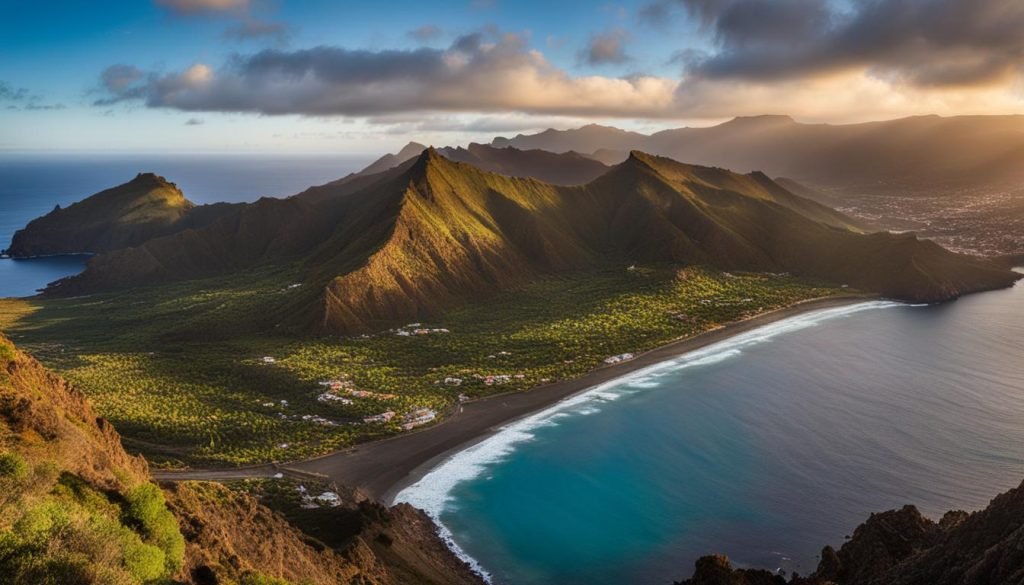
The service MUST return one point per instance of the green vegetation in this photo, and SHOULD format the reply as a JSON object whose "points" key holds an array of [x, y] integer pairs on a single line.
{"points": [[13, 466], [60, 529], [179, 370]]}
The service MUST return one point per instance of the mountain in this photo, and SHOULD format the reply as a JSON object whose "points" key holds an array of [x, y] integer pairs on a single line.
{"points": [[585, 139], [144, 208], [75, 508], [390, 161], [433, 233], [568, 168], [919, 150], [902, 547]]}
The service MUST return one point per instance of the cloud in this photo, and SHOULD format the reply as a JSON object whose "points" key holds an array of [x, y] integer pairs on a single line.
{"points": [[425, 33], [607, 48], [921, 43], [489, 72], [193, 7], [12, 94], [194, 122], [21, 98]]}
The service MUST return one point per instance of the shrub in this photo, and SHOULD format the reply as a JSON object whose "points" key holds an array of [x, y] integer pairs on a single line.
{"points": [[6, 351], [13, 466], [148, 510]]}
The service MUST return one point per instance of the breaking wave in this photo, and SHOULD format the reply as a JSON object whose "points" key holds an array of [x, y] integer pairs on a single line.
{"points": [[432, 493]]}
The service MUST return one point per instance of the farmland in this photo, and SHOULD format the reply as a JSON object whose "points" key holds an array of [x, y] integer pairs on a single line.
{"points": [[195, 374]]}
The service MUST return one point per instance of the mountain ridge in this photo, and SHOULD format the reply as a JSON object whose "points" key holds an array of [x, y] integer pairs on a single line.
{"points": [[923, 149], [433, 233]]}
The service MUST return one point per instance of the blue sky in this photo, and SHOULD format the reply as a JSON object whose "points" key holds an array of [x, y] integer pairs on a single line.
{"points": [[359, 76]]}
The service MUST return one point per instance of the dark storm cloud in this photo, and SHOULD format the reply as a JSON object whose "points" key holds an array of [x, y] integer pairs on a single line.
{"points": [[917, 42]]}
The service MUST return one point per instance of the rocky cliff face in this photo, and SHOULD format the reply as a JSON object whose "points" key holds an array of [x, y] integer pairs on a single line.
{"points": [[902, 547], [76, 508]]}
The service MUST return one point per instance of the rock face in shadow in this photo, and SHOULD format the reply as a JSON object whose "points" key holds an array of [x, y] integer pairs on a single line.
{"points": [[901, 547]]}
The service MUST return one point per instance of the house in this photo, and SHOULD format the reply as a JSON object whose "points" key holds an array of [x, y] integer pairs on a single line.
{"points": [[329, 397], [331, 499], [382, 417], [622, 357], [418, 417], [269, 360]]}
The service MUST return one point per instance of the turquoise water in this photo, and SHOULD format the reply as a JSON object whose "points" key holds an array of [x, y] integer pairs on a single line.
{"points": [[31, 184], [765, 447]]}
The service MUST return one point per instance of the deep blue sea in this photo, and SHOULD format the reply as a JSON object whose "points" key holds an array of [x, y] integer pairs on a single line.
{"points": [[31, 184], [764, 447]]}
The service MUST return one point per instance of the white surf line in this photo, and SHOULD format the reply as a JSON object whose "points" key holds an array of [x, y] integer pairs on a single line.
{"points": [[432, 493]]}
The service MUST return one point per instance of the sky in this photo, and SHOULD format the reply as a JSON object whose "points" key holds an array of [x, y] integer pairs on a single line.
{"points": [[364, 77]]}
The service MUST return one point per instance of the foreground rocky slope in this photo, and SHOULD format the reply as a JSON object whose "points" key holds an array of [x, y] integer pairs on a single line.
{"points": [[75, 508], [901, 547]]}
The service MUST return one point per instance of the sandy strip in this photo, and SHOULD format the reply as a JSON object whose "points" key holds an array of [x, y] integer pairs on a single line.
{"points": [[383, 468]]}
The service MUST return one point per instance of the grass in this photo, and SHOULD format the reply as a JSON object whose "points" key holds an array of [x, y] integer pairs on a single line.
{"points": [[178, 369]]}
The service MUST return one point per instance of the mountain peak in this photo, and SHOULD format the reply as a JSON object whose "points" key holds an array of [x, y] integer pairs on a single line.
{"points": [[151, 180], [410, 150]]}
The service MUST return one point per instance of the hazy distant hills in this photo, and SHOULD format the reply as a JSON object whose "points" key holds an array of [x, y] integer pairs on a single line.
{"points": [[432, 233], [569, 168], [144, 208], [924, 149]]}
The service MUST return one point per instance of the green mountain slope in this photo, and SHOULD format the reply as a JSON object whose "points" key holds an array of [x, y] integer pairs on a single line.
{"points": [[430, 234], [144, 208]]}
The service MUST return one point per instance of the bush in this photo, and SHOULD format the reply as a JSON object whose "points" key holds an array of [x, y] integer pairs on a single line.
{"points": [[6, 351], [147, 509], [144, 561], [13, 466]]}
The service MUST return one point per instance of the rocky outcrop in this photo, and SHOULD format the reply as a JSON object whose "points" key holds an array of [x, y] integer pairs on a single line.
{"points": [[902, 547]]}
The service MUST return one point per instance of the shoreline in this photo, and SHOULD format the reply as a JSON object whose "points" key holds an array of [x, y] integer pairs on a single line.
{"points": [[381, 469]]}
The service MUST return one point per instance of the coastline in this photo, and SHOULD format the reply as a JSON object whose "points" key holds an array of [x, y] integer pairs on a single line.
{"points": [[381, 469]]}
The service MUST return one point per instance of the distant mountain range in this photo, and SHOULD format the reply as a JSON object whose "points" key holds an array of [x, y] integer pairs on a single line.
{"points": [[921, 150], [432, 233]]}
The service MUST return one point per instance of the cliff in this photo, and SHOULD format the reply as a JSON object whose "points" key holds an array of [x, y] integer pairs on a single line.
{"points": [[902, 547]]}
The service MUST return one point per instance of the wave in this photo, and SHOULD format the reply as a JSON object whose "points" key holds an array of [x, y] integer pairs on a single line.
{"points": [[432, 493]]}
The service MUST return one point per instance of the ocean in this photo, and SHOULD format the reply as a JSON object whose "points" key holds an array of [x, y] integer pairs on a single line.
{"points": [[764, 447], [31, 184]]}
